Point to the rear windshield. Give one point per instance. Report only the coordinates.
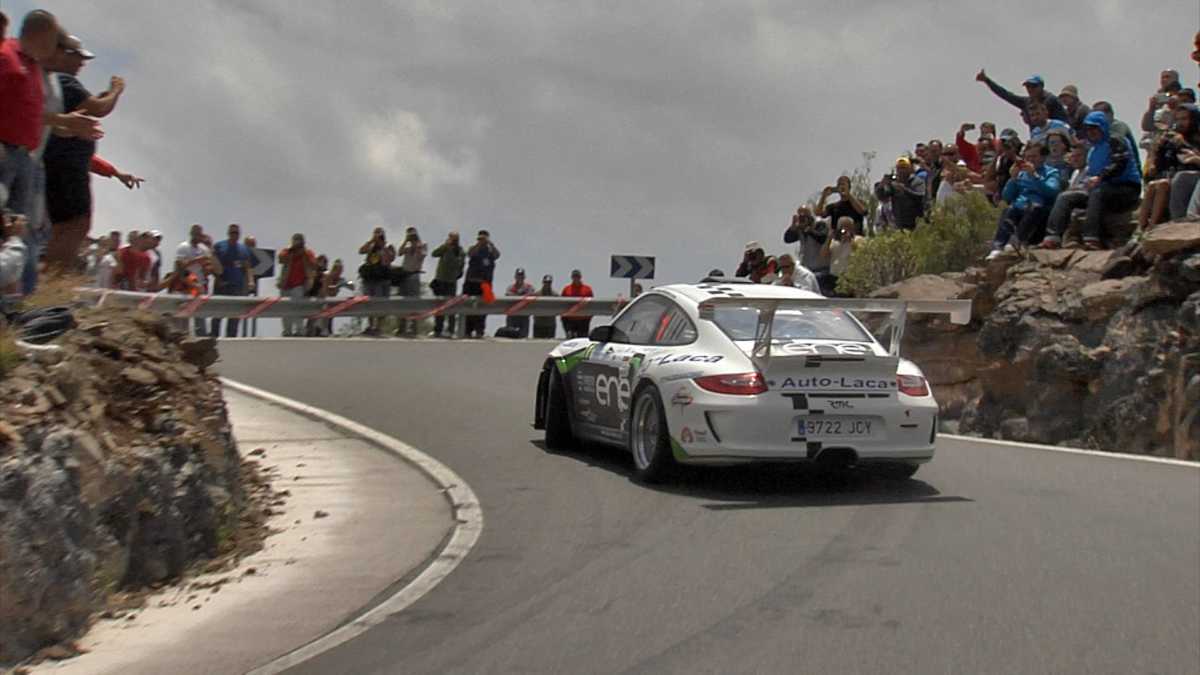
(739, 323)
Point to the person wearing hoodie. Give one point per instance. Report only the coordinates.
(1117, 128)
(1030, 193)
(1114, 182)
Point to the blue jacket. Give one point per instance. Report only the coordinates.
(1111, 161)
(1029, 190)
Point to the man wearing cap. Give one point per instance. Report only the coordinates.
(1076, 109)
(580, 326)
(451, 257)
(905, 191)
(543, 326)
(481, 267)
(155, 259)
(519, 287)
(757, 265)
(1035, 87)
(68, 160)
(235, 275)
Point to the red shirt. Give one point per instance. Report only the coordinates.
(135, 266)
(580, 291)
(296, 263)
(21, 93)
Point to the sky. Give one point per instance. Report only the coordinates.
(571, 131)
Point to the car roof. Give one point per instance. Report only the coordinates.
(698, 293)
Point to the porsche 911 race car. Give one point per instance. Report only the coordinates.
(722, 372)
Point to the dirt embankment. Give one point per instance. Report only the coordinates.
(118, 473)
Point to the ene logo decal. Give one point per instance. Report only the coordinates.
(607, 386)
(830, 348)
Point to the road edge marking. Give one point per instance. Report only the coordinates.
(1076, 451)
(466, 511)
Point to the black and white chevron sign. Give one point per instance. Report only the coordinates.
(632, 267)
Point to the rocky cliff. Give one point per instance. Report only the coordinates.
(117, 470)
(1096, 349)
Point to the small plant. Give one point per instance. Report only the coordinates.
(878, 261)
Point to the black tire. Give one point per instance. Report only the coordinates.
(559, 436)
(650, 443)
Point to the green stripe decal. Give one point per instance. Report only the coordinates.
(677, 450)
(568, 363)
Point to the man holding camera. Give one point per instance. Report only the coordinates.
(1030, 193)
(376, 279)
(905, 191)
(481, 268)
(757, 265)
(298, 271)
(810, 235)
(847, 206)
(451, 259)
(411, 253)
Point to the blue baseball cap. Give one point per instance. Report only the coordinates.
(1034, 80)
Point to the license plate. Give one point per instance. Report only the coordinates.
(816, 428)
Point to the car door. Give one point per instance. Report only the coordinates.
(603, 381)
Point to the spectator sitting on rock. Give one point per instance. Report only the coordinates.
(841, 247)
(451, 257)
(1114, 182)
(1035, 87)
(576, 327)
(1010, 153)
(1172, 177)
(798, 276)
(847, 205)
(12, 252)
(757, 265)
(809, 235)
(376, 279)
(1030, 193)
(1119, 129)
(1071, 198)
(1058, 142)
(519, 287)
(905, 192)
(1076, 110)
(1040, 123)
(544, 326)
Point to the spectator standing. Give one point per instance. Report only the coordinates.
(841, 246)
(234, 279)
(481, 267)
(318, 290)
(544, 326)
(809, 235)
(21, 115)
(1114, 182)
(298, 269)
(906, 194)
(576, 327)
(198, 258)
(374, 272)
(180, 281)
(1076, 110)
(519, 287)
(250, 328)
(1073, 197)
(757, 265)
(133, 271)
(67, 160)
(106, 264)
(451, 258)
(798, 276)
(1030, 194)
(412, 254)
(847, 205)
(155, 259)
(1035, 88)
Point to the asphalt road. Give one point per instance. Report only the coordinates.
(991, 560)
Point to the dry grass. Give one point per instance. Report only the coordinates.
(10, 354)
(55, 290)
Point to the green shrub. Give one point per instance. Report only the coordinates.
(955, 235)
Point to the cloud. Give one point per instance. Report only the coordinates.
(395, 148)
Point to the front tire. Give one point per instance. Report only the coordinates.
(649, 438)
(559, 436)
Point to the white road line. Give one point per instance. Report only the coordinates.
(1076, 451)
(467, 515)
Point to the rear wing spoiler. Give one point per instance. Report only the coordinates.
(898, 310)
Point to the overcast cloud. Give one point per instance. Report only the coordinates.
(570, 130)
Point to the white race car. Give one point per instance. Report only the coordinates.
(723, 372)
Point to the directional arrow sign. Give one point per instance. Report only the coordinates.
(632, 267)
(264, 262)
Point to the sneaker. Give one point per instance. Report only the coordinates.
(1009, 248)
(995, 253)
(1050, 245)
(1092, 245)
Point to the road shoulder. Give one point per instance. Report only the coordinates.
(359, 523)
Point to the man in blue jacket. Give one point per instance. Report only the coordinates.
(1114, 183)
(1029, 194)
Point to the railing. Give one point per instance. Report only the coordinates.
(205, 306)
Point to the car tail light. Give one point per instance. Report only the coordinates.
(912, 385)
(741, 384)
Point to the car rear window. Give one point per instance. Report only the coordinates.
(739, 323)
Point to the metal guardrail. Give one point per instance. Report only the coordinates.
(204, 306)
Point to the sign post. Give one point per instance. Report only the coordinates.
(632, 267)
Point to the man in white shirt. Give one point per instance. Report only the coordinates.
(197, 257)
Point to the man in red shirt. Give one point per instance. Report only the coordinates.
(133, 271)
(299, 270)
(576, 327)
(23, 102)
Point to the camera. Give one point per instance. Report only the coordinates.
(889, 176)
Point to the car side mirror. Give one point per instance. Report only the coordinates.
(607, 334)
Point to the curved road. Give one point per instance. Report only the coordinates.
(992, 560)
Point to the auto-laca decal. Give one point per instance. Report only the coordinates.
(833, 383)
(667, 359)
